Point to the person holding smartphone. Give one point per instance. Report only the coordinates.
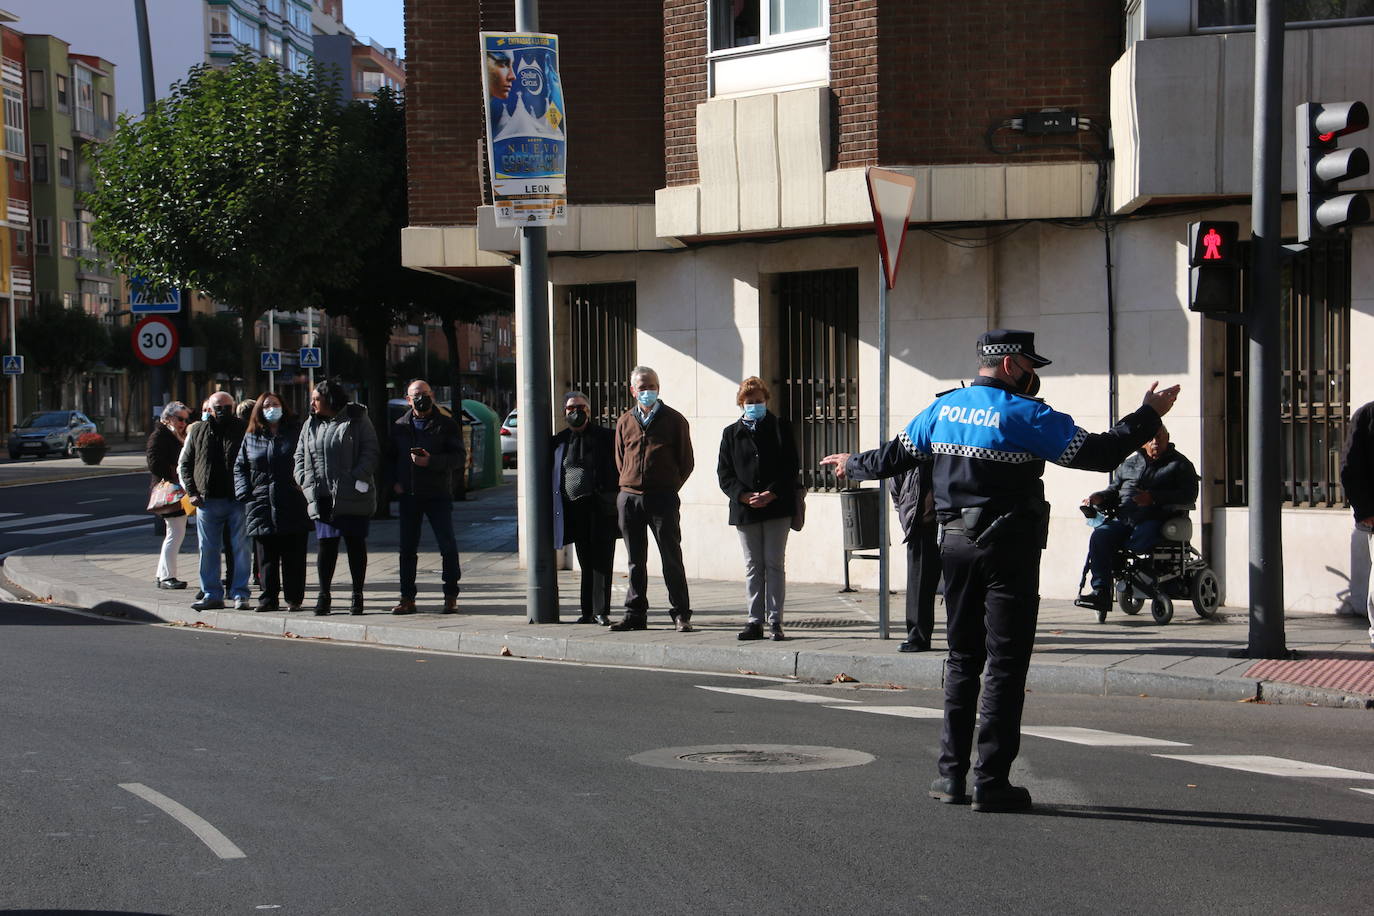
(426, 448)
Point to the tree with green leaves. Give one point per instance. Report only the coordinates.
(60, 344)
(238, 183)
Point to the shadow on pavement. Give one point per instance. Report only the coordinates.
(28, 615)
(1270, 823)
(82, 912)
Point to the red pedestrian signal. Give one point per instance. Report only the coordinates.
(1214, 258)
(1212, 243)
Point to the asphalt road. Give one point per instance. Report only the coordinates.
(357, 780)
(43, 511)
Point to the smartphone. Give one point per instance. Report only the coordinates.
(417, 451)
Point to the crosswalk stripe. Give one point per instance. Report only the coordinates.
(1093, 737)
(8, 514)
(90, 524)
(906, 712)
(764, 693)
(42, 519)
(1269, 766)
(1365, 791)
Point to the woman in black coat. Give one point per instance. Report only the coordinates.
(162, 451)
(757, 469)
(278, 521)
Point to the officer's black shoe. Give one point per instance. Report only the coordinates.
(912, 646)
(949, 790)
(585, 618)
(1001, 798)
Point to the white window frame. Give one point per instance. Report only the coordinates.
(14, 122)
(767, 40)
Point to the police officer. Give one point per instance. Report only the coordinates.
(989, 443)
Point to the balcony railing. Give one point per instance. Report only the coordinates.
(21, 280)
(221, 43)
(17, 212)
(12, 71)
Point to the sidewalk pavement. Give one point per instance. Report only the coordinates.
(831, 635)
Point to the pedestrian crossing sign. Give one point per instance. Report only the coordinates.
(14, 365)
(310, 357)
(271, 361)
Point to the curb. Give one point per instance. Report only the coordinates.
(808, 665)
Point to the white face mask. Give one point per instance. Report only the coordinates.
(271, 414)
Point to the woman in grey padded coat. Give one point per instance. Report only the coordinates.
(336, 468)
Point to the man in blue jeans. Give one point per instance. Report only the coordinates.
(426, 450)
(1148, 482)
(207, 474)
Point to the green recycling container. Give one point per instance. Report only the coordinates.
(484, 451)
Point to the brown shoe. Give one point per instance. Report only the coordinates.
(407, 606)
(450, 604)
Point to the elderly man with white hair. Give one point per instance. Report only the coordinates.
(207, 475)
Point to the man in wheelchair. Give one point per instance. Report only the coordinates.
(1140, 495)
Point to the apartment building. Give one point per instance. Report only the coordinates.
(16, 243)
(1059, 151)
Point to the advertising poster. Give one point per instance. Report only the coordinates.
(527, 145)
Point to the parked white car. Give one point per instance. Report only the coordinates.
(508, 433)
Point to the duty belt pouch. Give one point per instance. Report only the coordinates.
(971, 517)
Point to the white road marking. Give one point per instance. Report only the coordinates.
(42, 519)
(90, 523)
(1095, 738)
(908, 712)
(1365, 791)
(87, 502)
(764, 693)
(1269, 766)
(8, 514)
(219, 844)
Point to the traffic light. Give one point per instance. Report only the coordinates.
(1323, 164)
(1214, 257)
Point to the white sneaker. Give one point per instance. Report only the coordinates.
(240, 604)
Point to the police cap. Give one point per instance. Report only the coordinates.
(1007, 342)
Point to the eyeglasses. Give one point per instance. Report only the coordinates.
(179, 419)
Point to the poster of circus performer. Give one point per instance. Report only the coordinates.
(527, 146)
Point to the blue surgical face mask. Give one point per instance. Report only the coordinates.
(205, 415)
(271, 414)
(647, 398)
(755, 411)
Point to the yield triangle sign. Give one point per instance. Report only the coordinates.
(891, 194)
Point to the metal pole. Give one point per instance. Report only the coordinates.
(14, 379)
(1265, 482)
(310, 336)
(536, 408)
(157, 375)
(271, 329)
(883, 584)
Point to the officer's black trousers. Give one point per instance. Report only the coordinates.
(992, 598)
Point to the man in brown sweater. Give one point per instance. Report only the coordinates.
(653, 453)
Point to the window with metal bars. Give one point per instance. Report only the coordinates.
(818, 365)
(601, 331)
(1315, 383)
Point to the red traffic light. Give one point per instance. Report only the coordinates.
(1212, 243)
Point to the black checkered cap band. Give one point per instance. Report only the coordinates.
(1001, 349)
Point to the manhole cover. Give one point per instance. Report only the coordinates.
(753, 758)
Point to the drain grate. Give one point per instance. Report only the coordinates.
(753, 758)
(828, 623)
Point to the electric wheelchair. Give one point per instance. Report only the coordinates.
(1170, 570)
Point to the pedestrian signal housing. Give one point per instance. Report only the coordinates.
(1214, 259)
(1323, 164)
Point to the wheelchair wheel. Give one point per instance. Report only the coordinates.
(1128, 602)
(1205, 592)
(1162, 609)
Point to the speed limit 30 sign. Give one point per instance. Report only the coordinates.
(155, 340)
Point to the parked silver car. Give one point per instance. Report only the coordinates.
(49, 431)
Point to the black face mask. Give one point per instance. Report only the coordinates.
(1028, 383)
(223, 412)
(577, 418)
(423, 403)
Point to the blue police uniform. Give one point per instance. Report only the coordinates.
(989, 444)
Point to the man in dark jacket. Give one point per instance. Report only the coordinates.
(653, 452)
(207, 475)
(584, 502)
(1357, 477)
(1148, 482)
(426, 448)
(912, 494)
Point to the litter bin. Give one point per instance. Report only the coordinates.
(859, 515)
(484, 451)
